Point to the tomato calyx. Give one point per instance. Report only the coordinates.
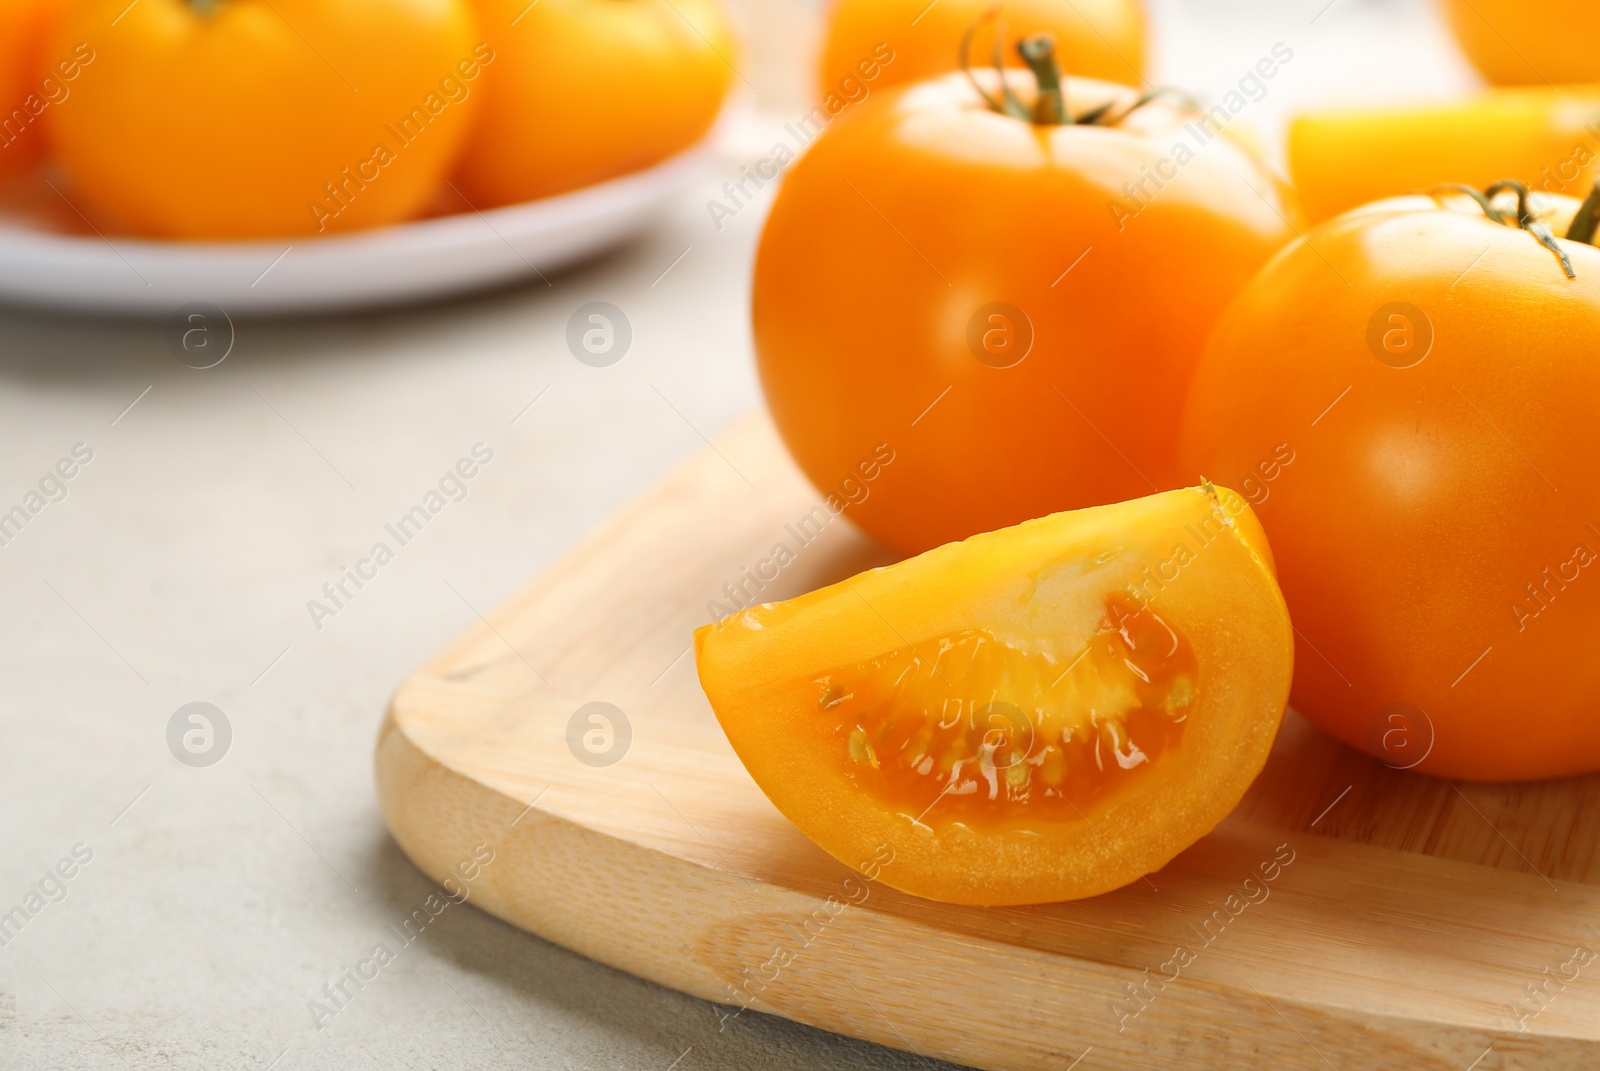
(1525, 219)
(1050, 100)
(1008, 104)
(1050, 106)
(1587, 220)
(1104, 116)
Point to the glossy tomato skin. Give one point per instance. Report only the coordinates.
(589, 90)
(922, 228)
(223, 123)
(1104, 39)
(1409, 396)
(1529, 42)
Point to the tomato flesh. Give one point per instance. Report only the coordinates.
(995, 733)
(1041, 713)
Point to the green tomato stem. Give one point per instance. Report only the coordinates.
(1008, 104)
(1587, 221)
(1524, 219)
(1050, 105)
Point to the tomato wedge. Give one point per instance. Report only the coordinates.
(1041, 713)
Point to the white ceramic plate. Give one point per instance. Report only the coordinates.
(51, 258)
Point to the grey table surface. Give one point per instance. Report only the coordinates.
(216, 902)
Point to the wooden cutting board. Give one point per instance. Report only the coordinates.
(1407, 923)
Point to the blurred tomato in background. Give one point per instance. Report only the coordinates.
(1542, 136)
(1529, 42)
(586, 90)
(1102, 39)
(217, 120)
(247, 119)
(29, 82)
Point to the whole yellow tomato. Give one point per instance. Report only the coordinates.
(588, 90)
(1409, 397)
(1529, 42)
(1103, 39)
(256, 118)
(29, 81)
(1543, 137)
(1011, 306)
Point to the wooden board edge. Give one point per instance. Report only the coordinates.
(553, 876)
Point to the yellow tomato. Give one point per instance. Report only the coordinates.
(255, 118)
(588, 90)
(1408, 395)
(29, 82)
(1545, 138)
(1013, 307)
(1529, 42)
(1102, 39)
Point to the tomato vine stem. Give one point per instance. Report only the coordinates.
(1102, 116)
(1008, 104)
(1587, 221)
(1050, 102)
(1525, 219)
(1050, 106)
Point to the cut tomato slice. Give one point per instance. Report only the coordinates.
(1042, 713)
